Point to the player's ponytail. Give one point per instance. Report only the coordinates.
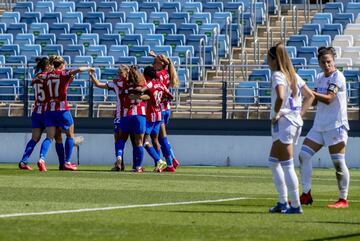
(135, 77)
(174, 79)
(41, 64)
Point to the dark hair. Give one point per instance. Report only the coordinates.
(41, 63)
(326, 50)
(149, 73)
(272, 52)
(135, 77)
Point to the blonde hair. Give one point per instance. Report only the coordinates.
(56, 61)
(123, 68)
(285, 66)
(174, 79)
(135, 77)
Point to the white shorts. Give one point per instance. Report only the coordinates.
(286, 132)
(328, 138)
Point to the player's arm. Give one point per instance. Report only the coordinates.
(308, 100)
(168, 95)
(96, 82)
(329, 96)
(79, 70)
(280, 96)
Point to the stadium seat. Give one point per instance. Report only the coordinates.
(118, 51)
(30, 49)
(194, 40)
(307, 52)
(66, 39)
(6, 39)
(158, 18)
(144, 28)
(74, 50)
(10, 17)
(153, 39)
(170, 7)
(322, 19)
(332, 30)
(298, 62)
(343, 18)
(213, 7)
(9, 49)
(124, 28)
(72, 17)
(352, 75)
(145, 60)
(191, 7)
(54, 49)
(352, 29)
(353, 7)
(24, 38)
(353, 93)
(222, 48)
(350, 52)
(16, 60)
(101, 28)
(64, 7)
(39, 28)
(104, 60)
(264, 91)
(220, 18)
(96, 50)
(298, 41)
(88, 39)
(200, 18)
(209, 29)
(139, 50)
(136, 17)
(85, 7)
(84, 60)
(174, 40)
(128, 7)
(310, 29)
(128, 60)
(44, 7)
(94, 17)
(45, 39)
(179, 18)
(2, 27)
(16, 28)
(51, 18)
(343, 41)
(343, 63)
(110, 39)
(23, 7)
(59, 28)
(260, 75)
(149, 7)
(320, 40)
(115, 17)
(30, 17)
(245, 93)
(162, 49)
(109, 73)
(21, 73)
(291, 50)
(333, 7)
(107, 6)
(166, 29)
(188, 28)
(184, 51)
(131, 40)
(6, 73)
(80, 28)
(307, 75)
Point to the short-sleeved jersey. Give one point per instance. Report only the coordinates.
(333, 115)
(117, 85)
(291, 106)
(132, 107)
(57, 84)
(38, 84)
(157, 91)
(164, 77)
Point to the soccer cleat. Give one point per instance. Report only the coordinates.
(306, 198)
(24, 166)
(341, 203)
(41, 165)
(176, 163)
(68, 166)
(78, 140)
(138, 169)
(118, 165)
(169, 169)
(292, 210)
(160, 166)
(278, 208)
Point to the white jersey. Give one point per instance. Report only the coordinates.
(333, 115)
(291, 106)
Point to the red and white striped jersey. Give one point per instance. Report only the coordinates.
(117, 85)
(157, 91)
(57, 84)
(132, 107)
(38, 84)
(164, 77)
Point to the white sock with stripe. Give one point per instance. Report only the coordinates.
(342, 174)
(292, 182)
(306, 167)
(278, 179)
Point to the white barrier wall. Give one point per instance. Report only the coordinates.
(190, 150)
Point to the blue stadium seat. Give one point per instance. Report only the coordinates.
(59, 28)
(131, 40)
(139, 50)
(107, 6)
(264, 91)
(191, 7)
(194, 40)
(149, 7)
(21, 73)
(144, 28)
(129, 60)
(104, 60)
(16, 28)
(182, 51)
(51, 18)
(74, 50)
(10, 17)
(24, 38)
(6, 73)
(353, 8)
(153, 39)
(158, 18)
(174, 40)
(6, 39)
(298, 41)
(88, 39)
(128, 7)
(308, 75)
(30, 17)
(188, 28)
(233, 7)
(45, 39)
(183, 75)
(307, 52)
(333, 7)
(80, 28)
(322, 19)
(53, 49)
(72, 17)
(208, 29)
(8, 90)
(179, 18)
(118, 51)
(94, 17)
(30, 49)
(162, 49)
(16, 59)
(246, 92)
(110, 39)
(200, 18)
(109, 73)
(310, 29)
(213, 7)
(223, 48)
(352, 75)
(44, 7)
(124, 28)
(23, 7)
(87, 60)
(170, 7)
(332, 30)
(220, 18)
(96, 50)
(166, 29)
(101, 28)
(145, 60)
(353, 92)
(260, 75)
(2, 60)
(64, 7)
(260, 12)
(99, 95)
(291, 50)
(2, 27)
(10, 49)
(115, 17)
(66, 39)
(299, 62)
(85, 7)
(248, 23)
(343, 18)
(320, 40)
(39, 28)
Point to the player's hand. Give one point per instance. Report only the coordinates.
(276, 118)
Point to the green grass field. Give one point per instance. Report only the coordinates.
(245, 218)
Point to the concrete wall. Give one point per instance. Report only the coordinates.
(190, 150)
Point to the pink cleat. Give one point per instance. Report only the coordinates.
(24, 166)
(176, 163)
(341, 203)
(41, 165)
(68, 166)
(170, 169)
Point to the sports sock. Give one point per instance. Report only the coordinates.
(69, 145)
(139, 155)
(306, 167)
(278, 179)
(45, 145)
(28, 150)
(165, 148)
(152, 152)
(292, 182)
(119, 148)
(342, 174)
(60, 152)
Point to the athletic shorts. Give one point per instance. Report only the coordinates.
(38, 120)
(153, 128)
(165, 116)
(329, 138)
(117, 127)
(133, 124)
(61, 119)
(286, 132)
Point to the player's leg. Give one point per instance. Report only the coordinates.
(35, 137)
(119, 147)
(152, 130)
(59, 147)
(138, 128)
(45, 145)
(166, 118)
(165, 148)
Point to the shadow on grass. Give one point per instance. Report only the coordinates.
(339, 237)
(211, 212)
(334, 222)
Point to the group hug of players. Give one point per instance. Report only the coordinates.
(142, 112)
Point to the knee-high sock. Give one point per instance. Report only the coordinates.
(139, 155)
(278, 179)
(60, 152)
(28, 150)
(342, 174)
(306, 167)
(292, 182)
(165, 148)
(69, 145)
(152, 152)
(45, 145)
(119, 148)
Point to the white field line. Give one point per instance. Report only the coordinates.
(10, 215)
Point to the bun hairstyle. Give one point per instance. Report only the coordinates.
(326, 50)
(56, 61)
(149, 73)
(280, 54)
(41, 64)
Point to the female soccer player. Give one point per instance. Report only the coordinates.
(57, 110)
(117, 85)
(167, 74)
(287, 108)
(329, 129)
(157, 92)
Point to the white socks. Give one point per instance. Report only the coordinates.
(342, 174)
(306, 167)
(278, 179)
(291, 181)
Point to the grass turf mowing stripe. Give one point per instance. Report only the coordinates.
(11, 215)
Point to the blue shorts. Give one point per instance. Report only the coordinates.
(117, 127)
(165, 116)
(153, 128)
(61, 119)
(133, 124)
(38, 120)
